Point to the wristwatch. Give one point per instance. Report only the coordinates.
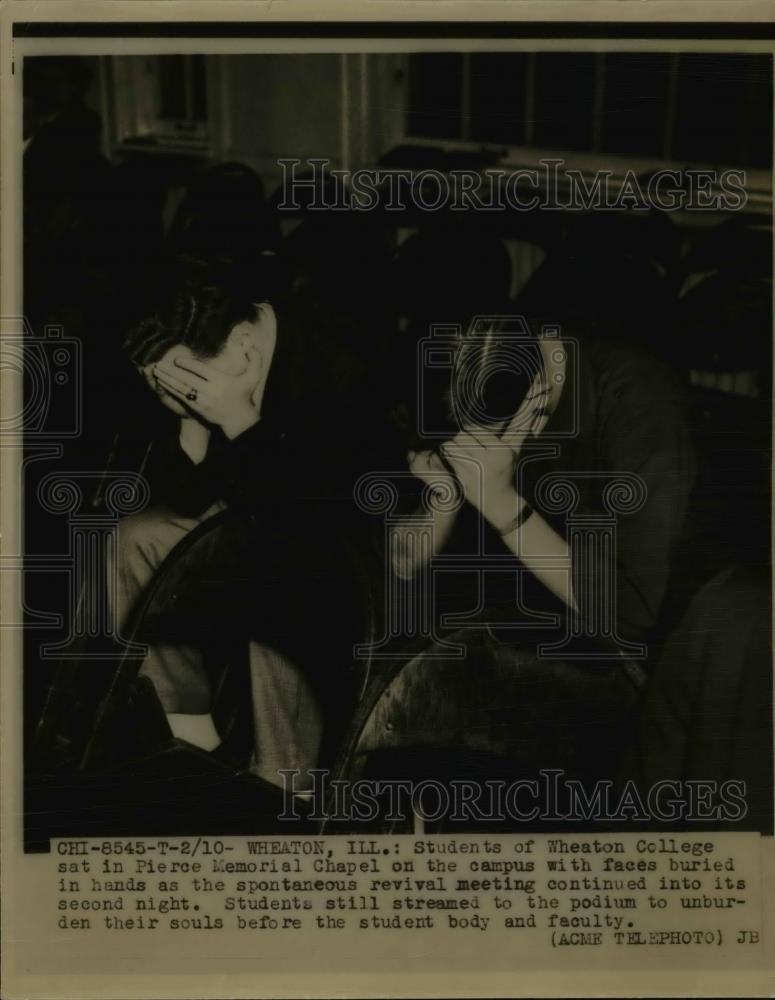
(519, 520)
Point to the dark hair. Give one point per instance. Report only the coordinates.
(488, 375)
(199, 305)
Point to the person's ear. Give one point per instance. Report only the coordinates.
(266, 322)
(253, 333)
(243, 336)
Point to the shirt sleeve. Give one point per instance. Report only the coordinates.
(177, 482)
(643, 428)
(254, 466)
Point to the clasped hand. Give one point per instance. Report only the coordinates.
(484, 462)
(484, 468)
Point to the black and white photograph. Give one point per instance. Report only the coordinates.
(393, 452)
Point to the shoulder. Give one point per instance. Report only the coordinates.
(620, 370)
(642, 410)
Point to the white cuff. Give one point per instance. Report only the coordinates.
(198, 730)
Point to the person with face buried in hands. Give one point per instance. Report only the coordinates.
(609, 409)
(246, 405)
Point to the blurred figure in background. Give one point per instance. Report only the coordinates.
(337, 265)
(707, 710)
(67, 231)
(446, 271)
(224, 216)
(608, 275)
(441, 274)
(72, 236)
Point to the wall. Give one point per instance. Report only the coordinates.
(311, 105)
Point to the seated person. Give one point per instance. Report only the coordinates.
(256, 429)
(630, 417)
(586, 415)
(707, 710)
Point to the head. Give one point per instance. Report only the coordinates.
(211, 313)
(482, 378)
(224, 213)
(445, 271)
(203, 306)
(53, 83)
